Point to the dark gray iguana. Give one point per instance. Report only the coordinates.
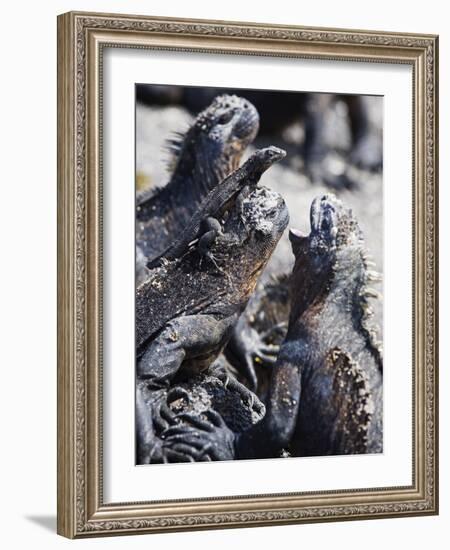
(326, 387)
(209, 151)
(216, 203)
(202, 157)
(185, 312)
(325, 394)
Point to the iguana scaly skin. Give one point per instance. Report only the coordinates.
(325, 394)
(212, 402)
(186, 309)
(202, 157)
(188, 286)
(326, 387)
(216, 202)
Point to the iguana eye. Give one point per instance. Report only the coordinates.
(225, 118)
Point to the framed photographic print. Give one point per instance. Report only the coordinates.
(247, 284)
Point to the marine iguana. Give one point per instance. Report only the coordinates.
(202, 157)
(326, 387)
(185, 313)
(216, 203)
(210, 401)
(325, 394)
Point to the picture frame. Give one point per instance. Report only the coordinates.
(82, 40)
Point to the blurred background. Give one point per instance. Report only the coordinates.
(334, 143)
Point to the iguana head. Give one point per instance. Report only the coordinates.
(250, 234)
(213, 146)
(332, 259)
(260, 161)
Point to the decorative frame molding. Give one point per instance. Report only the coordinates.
(81, 37)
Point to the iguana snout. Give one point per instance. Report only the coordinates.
(260, 161)
(332, 226)
(324, 217)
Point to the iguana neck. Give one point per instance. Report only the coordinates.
(343, 288)
(336, 286)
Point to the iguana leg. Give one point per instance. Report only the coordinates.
(199, 337)
(151, 419)
(246, 345)
(209, 230)
(271, 436)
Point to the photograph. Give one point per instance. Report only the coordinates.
(247, 274)
(259, 274)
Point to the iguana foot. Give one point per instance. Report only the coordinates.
(198, 438)
(247, 347)
(209, 230)
(247, 396)
(151, 418)
(163, 416)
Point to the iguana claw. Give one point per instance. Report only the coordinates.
(198, 438)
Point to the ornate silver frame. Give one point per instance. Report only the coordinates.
(81, 38)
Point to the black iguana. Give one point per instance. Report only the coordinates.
(202, 157)
(326, 387)
(186, 309)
